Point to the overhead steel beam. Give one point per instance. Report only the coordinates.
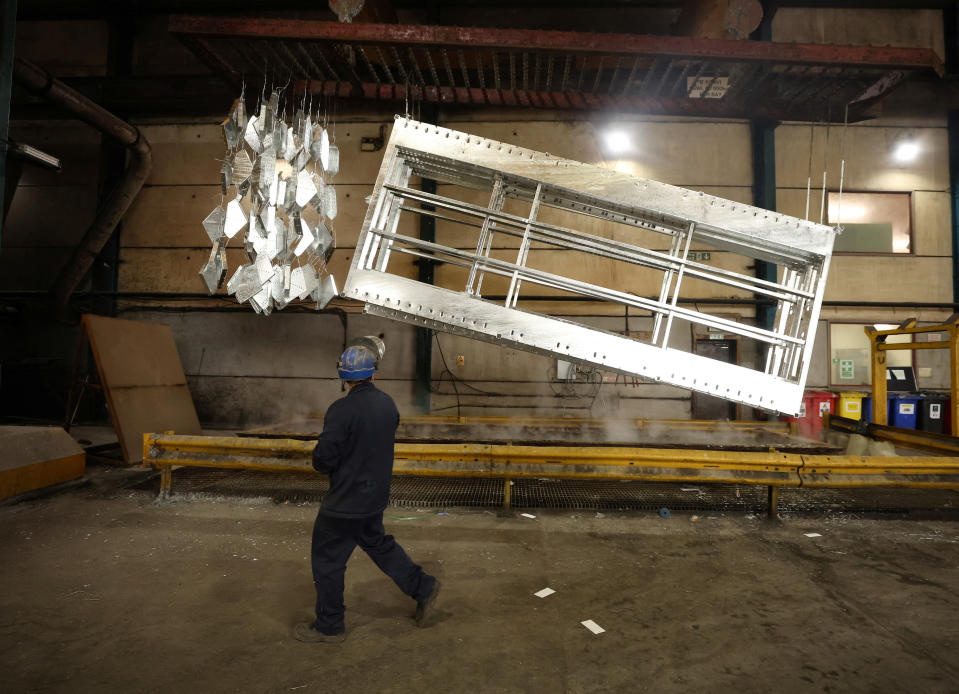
(71, 9)
(631, 44)
(521, 68)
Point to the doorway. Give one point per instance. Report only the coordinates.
(708, 406)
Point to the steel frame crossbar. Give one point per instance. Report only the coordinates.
(690, 220)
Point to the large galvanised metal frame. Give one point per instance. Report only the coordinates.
(684, 217)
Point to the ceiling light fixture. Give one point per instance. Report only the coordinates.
(617, 142)
(906, 151)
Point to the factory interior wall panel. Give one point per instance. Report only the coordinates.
(499, 381)
(186, 154)
(49, 212)
(284, 345)
(680, 152)
(76, 144)
(157, 52)
(254, 401)
(32, 269)
(931, 223)
(242, 354)
(932, 365)
(914, 103)
(171, 215)
(49, 216)
(865, 27)
(923, 276)
(624, 18)
(65, 48)
(176, 270)
(399, 363)
(489, 362)
(884, 314)
(890, 278)
(869, 162)
(607, 404)
(819, 364)
(930, 217)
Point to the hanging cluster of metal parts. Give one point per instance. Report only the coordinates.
(627, 212)
(278, 178)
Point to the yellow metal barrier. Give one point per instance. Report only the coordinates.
(772, 469)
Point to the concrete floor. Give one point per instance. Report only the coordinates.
(103, 589)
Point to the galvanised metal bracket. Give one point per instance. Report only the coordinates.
(628, 218)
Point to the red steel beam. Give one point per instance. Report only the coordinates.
(559, 41)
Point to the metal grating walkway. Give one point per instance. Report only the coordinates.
(421, 492)
(555, 69)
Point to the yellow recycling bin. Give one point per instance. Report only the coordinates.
(850, 404)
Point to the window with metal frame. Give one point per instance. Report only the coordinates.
(874, 223)
(849, 356)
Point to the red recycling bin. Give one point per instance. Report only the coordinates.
(815, 403)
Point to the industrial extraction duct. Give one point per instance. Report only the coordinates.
(39, 82)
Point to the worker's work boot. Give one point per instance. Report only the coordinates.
(424, 608)
(305, 632)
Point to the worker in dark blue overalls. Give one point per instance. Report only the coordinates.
(356, 450)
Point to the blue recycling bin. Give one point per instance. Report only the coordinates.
(904, 410)
(867, 409)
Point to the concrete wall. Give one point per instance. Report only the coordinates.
(247, 370)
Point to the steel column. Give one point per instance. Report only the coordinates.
(953, 131)
(424, 336)
(8, 26)
(763, 135)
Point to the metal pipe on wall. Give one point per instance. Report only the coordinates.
(41, 83)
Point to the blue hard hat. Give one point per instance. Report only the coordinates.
(356, 364)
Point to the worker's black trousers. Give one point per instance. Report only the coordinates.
(334, 540)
